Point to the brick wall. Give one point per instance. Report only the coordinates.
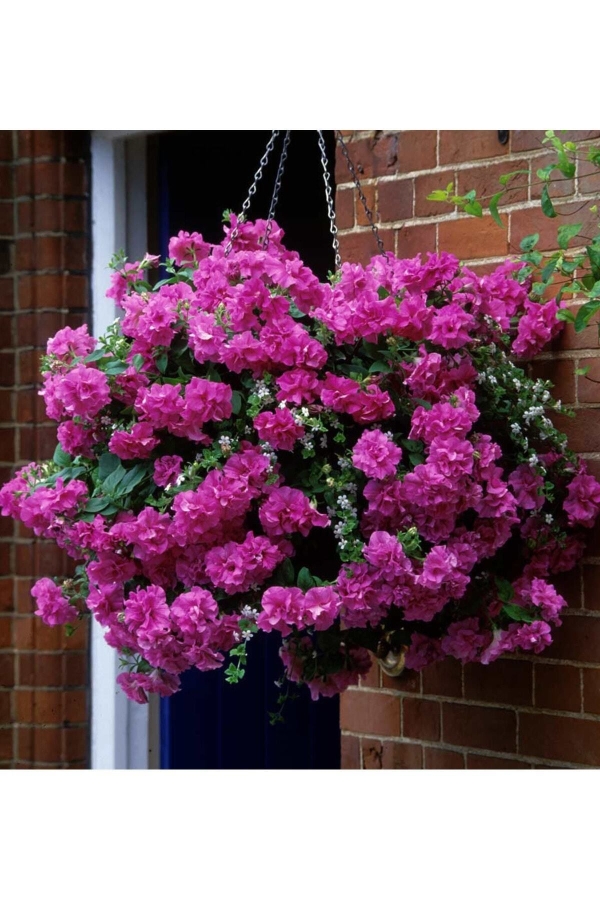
(43, 287)
(519, 712)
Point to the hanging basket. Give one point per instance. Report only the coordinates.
(251, 449)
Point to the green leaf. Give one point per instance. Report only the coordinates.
(565, 315)
(438, 196)
(137, 361)
(162, 362)
(566, 233)
(107, 463)
(305, 580)
(505, 590)
(100, 505)
(115, 367)
(131, 479)
(504, 179)
(593, 252)
(549, 269)
(545, 173)
(236, 402)
(529, 242)
(474, 208)
(582, 371)
(379, 366)
(61, 458)
(517, 613)
(585, 313)
(110, 484)
(96, 355)
(547, 205)
(286, 572)
(494, 208)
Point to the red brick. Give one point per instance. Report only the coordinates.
(361, 247)
(75, 706)
(369, 195)
(350, 752)
(557, 687)
(532, 140)
(344, 209)
(478, 761)
(6, 744)
(76, 744)
(370, 713)
(6, 146)
(591, 587)
(6, 183)
(568, 585)
(40, 670)
(577, 639)
(561, 372)
(372, 754)
(372, 157)
(5, 708)
(24, 636)
(76, 291)
(589, 177)
(507, 681)
(485, 180)
(558, 186)
(436, 758)
(395, 200)
(5, 631)
(7, 369)
(443, 679)
(583, 431)
(424, 185)
(6, 293)
(7, 669)
(46, 637)
(6, 594)
(417, 150)
(473, 238)
(414, 239)
(402, 755)
(75, 250)
(532, 221)
(40, 745)
(481, 727)
(6, 220)
(556, 737)
(569, 339)
(421, 719)
(372, 678)
(591, 691)
(75, 669)
(409, 681)
(588, 386)
(463, 146)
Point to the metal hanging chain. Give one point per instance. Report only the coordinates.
(276, 189)
(246, 204)
(362, 197)
(329, 198)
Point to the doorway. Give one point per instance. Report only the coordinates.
(193, 177)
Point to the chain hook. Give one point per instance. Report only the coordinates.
(329, 199)
(361, 195)
(246, 204)
(276, 189)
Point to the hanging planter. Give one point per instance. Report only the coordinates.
(361, 465)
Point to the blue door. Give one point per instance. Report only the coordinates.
(193, 177)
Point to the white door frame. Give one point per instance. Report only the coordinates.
(124, 735)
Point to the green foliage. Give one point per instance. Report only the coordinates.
(575, 271)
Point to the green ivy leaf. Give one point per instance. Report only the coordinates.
(585, 313)
(517, 613)
(505, 590)
(547, 205)
(529, 242)
(305, 580)
(566, 233)
(162, 362)
(493, 207)
(107, 463)
(593, 252)
(61, 458)
(438, 196)
(504, 179)
(236, 402)
(473, 208)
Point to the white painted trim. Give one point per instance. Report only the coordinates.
(119, 727)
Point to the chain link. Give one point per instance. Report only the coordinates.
(362, 197)
(246, 204)
(276, 189)
(329, 198)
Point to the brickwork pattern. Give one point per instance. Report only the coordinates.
(44, 254)
(520, 712)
